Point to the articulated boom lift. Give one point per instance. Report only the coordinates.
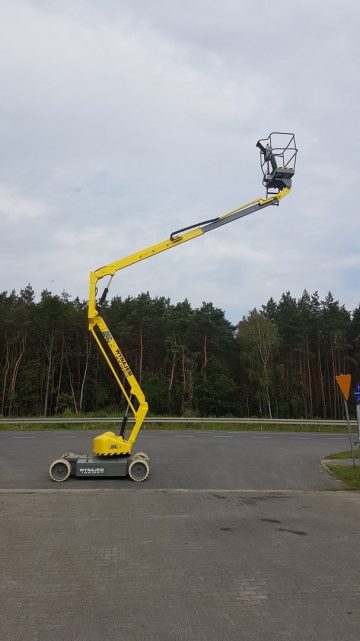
(112, 453)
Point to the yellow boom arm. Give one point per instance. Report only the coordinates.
(108, 443)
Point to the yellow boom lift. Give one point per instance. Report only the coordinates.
(113, 453)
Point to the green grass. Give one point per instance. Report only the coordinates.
(347, 474)
(48, 427)
(236, 427)
(343, 455)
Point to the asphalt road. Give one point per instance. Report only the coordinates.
(183, 460)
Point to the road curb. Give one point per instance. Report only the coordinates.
(326, 465)
(179, 490)
(338, 461)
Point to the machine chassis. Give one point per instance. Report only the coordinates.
(135, 466)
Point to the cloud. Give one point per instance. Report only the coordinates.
(16, 208)
(121, 122)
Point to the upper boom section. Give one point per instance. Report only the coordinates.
(278, 167)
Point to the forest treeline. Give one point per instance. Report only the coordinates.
(278, 361)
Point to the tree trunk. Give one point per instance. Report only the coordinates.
(6, 371)
(309, 378)
(183, 377)
(16, 371)
(205, 359)
(141, 354)
(71, 385)
(73, 393)
(60, 375)
(268, 392)
(88, 344)
(172, 373)
(333, 374)
(323, 400)
(49, 351)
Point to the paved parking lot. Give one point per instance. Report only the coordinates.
(174, 565)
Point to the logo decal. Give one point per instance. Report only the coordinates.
(118, 354)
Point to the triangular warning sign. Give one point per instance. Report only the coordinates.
(344, 382)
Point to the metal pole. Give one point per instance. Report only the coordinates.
(358, 422)
(349, 431)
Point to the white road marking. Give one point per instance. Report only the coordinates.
(262, 437)
(337, 438)
(302, 438)
(23, 437)
(68, 436)
(185, 436)
(222, 436)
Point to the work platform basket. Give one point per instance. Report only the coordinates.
(277, 160)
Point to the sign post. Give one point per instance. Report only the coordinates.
(357, 401)
(344, 382)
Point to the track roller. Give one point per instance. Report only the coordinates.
(60, 470)
(139, 469)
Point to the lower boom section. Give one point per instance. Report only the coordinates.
(136, 466)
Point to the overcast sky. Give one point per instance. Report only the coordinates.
(123, 120)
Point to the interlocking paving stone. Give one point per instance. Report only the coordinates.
(179, 566)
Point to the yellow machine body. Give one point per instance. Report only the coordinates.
(111, 444)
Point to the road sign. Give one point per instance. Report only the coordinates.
(344, 382)
(357, 393)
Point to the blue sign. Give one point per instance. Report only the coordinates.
(357, 393)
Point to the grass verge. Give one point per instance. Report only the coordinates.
(347, 474)
(225, 427)
(342, 455)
